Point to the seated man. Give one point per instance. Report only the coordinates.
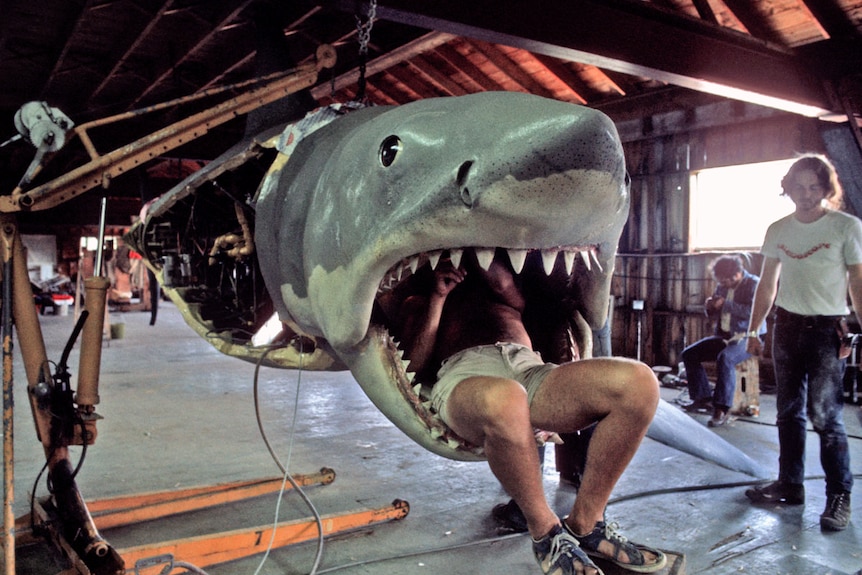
(493, 391)
(730, 306)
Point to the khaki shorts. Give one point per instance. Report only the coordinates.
(507, 360)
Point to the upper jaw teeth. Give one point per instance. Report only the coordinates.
(485, 256)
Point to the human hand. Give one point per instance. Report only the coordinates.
(754, 346)
(447, 278)
(714, 303)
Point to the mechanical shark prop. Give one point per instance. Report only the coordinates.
(350, 210)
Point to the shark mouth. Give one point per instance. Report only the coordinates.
(553, 315)
(484, 256)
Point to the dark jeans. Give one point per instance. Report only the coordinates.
(810, 380)
(726, 357)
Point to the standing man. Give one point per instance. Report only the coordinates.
(493, 391)
(730, 307)
(817, 253)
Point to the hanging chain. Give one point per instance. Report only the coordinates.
(363, 34)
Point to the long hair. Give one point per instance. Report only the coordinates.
(826, 176)
(726, 266)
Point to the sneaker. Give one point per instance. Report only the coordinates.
(719, 417)
(509, 517)
(777, 492)
(637, 562)
(557, 552)
(704, 404)
(836, 516)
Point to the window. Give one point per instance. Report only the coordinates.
(732, 207)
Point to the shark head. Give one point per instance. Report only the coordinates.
(344, 225)
(370, 199)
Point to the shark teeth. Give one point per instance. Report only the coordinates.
(434, 259)
(569, 260)
(517, 257)
(455, 257)
(549, 258)
(485, 256)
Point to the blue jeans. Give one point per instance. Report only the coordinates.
(810, 380)
(726, 357)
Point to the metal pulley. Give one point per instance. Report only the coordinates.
(43, 126)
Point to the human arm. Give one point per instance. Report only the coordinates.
(764, 296)
(713, 304)
(421, 317)
(855, 288)
(739, 306)
(501, 283)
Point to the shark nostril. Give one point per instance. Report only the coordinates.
(463, 174)
(466, 198)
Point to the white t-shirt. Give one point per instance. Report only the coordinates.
(814, 259)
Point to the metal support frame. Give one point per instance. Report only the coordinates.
(208, 549)
(102, 168)
(64, 518)
(8, 406)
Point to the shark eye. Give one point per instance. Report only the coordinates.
(389, 150)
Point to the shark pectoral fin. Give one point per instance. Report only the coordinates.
(676, 429)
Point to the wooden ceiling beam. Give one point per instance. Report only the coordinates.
(705, 11)
(506, 65)
(421, 45)
(433, 74)
(151, 26)
(203, 41)
(831, 18)
(573, 84)
(632, 38)
(461, 62)
(753, 21)
(67, 46)
(417, 83)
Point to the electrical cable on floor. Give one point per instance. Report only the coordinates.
(620, 499)
(808, 429)
(285, 467)
(409, 554)
(189, 568)
(489, 540)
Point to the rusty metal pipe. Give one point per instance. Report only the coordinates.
(29, 330)
(78, 528)
(77, 523)
(8, 421)
(96, 295)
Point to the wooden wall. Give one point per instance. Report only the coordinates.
(654, 262)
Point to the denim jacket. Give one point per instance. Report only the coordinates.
(740, 307)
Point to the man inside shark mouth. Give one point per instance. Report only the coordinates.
(493, 390)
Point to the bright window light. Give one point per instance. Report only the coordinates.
(732, 207)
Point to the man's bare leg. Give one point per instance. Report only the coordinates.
(493, 413)
(622, 396)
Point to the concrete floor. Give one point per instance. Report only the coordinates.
(179, 414)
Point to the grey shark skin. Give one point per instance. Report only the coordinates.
(490, 170)
(380, 193)
(673, 427)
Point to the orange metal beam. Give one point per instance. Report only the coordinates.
(127, 510)
(232, 545)
(101, 169)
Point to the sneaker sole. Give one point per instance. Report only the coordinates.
(756, 497)
(651, 568)
(829, 526)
